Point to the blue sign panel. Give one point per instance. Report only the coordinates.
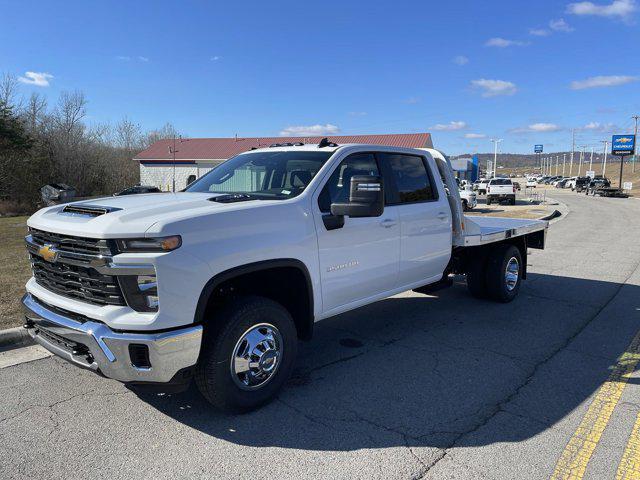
(623, 144)
(537, 148)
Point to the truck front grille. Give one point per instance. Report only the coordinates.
(75, 281)
(88, 246)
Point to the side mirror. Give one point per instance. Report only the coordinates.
(366, 198)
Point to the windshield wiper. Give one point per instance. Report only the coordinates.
(232, 197)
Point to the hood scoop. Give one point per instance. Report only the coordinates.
(87, 210)
(231, 198)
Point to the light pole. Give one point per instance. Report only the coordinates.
(591, 160)
(557, 160)
(635, 150)
(604, 166)
(495, 154)
(564, 161)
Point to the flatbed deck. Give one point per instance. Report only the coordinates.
(485, 230)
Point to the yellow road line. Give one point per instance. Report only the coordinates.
(576, 455)
(629, 468)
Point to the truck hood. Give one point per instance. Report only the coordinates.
(128, 215)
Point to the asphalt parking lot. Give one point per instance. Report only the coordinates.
(415, 386)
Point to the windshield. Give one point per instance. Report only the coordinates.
(263, 175)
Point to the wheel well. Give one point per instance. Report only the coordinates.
(284, 281)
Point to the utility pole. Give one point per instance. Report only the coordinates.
(495, 154)
(573, 147)
(581, 158)
(635, 150)
(557, 160)
(591, 160)
(604, 166)
(564, 161)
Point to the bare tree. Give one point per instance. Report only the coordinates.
(167, 131)
(35, 111)
(9, 90)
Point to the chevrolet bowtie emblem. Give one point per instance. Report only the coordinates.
(49, 253)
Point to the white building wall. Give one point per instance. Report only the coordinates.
(161, 176)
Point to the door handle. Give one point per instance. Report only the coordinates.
(388, 223)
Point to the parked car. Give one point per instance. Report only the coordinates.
(581, 183)
(469, 198)
(531, 183)
(218, 283)
(482, 186)
(500, 189)
(138, 189)
(517, 185)
(596, 184)
(561, 183)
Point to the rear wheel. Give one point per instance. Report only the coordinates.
(246, 361)
(503, 273)
(513, 200)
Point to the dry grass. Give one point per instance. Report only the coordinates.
(14, 270)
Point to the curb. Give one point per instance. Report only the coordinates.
(561, 212)
(14, 338)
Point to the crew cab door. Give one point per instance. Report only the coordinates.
(424, 213)
(358, 259)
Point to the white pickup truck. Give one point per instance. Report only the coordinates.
(499, 189)
(219, 282)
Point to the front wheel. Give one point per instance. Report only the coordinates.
(246, 361)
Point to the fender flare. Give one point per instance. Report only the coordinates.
(231, 273)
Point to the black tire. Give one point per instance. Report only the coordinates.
(513, 200)
(497, 261)
(465, 206)
(213, 373)
(489, 201)
(476, 282)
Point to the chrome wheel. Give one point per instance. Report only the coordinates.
(256, 356)
(511, 274)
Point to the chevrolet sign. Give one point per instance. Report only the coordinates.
(623, 144)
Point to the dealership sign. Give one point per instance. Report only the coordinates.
(623, 144)
(537, 148)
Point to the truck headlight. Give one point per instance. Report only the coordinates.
(140, 292)
(159, 244)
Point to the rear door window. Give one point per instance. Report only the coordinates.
(413, 182)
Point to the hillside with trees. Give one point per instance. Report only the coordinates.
(43, 143)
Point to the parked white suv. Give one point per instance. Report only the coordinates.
(219, 282)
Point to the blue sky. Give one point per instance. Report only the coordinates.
(466, 71)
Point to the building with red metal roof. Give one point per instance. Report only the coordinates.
(193, 157)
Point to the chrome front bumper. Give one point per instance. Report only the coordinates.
(96, 347)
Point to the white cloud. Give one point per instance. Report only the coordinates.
(413, 100)
(309, 130)
(448, 127)
(600, 127)
(127, 58)
(603, 81)
(215, 58)
(143, 59)
(494, 88)
(460, 60)
(123, 58)
(504, 43)
(544, 127)
(560, 25)
(39, 79)
(358, 114)
(538, 128)
(475, 135)
(618, 8)
(539, 32)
